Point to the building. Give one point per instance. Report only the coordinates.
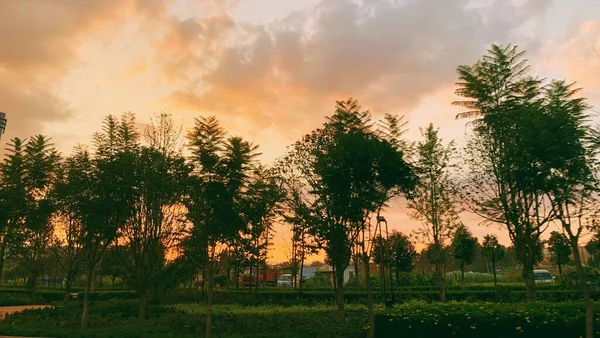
(2, 123)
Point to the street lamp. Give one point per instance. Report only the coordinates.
(388, 302)
(2, 123)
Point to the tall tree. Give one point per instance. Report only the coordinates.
(463, 248)
(348, 170)
(402, 253)
(69, 197)
(108, 194)
(433, 204)
(502, 180)
(156, 224)
(221, 170)
(491, 249)
(569, 165)
(560, 248)
(14, 200)
(259, 207)
(40, 164)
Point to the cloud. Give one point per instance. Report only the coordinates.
(581, 57)
(40, 41)
(390, 55)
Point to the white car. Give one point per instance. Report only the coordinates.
(543, 277)
(284, 280)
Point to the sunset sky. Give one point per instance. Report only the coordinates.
(271, 70)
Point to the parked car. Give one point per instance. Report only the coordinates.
(285, 280)
(543, 277)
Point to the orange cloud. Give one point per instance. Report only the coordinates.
(581, 58)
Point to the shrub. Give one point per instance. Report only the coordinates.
(118, 319)
(482, 320)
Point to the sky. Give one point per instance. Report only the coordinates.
(271, 70)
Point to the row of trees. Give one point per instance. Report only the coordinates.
(529, 162)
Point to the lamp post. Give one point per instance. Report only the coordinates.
(388, 302)
(2, 123)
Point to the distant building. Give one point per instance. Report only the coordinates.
(2, 123)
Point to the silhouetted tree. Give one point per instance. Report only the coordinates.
(493, 251)
(559, 246)
(433, 204)
(463, 248)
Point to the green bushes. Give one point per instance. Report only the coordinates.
(288, 297)
(482, 320)
(118, 319)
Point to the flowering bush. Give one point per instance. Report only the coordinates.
(417, 319)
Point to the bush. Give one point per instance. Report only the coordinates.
(118, 319)
(482, 320)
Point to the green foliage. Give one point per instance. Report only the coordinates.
(117, 319)
(560, 248)
(482, 320)
(463, 247)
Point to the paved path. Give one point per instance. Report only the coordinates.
(6, 310)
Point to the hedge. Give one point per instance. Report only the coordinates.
(118, 319)
(482, 320)
(414, 319)
(10, 297)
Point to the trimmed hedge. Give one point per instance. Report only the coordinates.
(482, 320)
(118, 319)
(414, 319)
(9, 297)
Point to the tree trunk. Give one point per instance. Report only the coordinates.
(85, 320)
(68, 286)
(340, 293)
(356, 264)
(494, 268)
(209, 299)
(301, 273)
(143, 305)
(440, 282)
(462, 272)
(237, 278)
(585, 290)
(529, 281)
(559, 268)
(370, 306)
(2, 254)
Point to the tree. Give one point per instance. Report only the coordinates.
(402, 253)
(491, 249)
(570, 172)
(221, 171)
(502, 179)
(156, 224)
(14, 201)
(342, 174)
(463, 248)
(68, 196)
(31, 249)
(593, 248)
(433, 203)
(259, 206)
(108, 194)
(560, 249)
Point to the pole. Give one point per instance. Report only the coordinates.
(382, 264)
(387, 247)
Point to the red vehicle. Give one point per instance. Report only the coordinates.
(249, 279)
